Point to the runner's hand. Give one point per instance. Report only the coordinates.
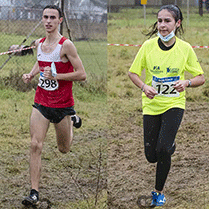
(150, 91)
(27, 77)
(180, 85)
(48, 73)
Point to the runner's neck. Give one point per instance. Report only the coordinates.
(163, 46)
(52, 39)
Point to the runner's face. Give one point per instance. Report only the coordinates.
(166, 22)
(51, 20)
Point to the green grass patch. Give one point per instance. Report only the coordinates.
(87, 160)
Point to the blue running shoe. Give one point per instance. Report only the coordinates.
(158, 199)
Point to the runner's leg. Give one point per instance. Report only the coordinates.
(151, 124)
(64, 132)
(171, 121)
(38, 129)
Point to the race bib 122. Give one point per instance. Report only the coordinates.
(165, 86)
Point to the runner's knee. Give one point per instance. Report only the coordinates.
(150, 158)
(163, 154)
(36, 146)
(150, 153)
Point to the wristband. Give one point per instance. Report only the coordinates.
(32, 76)
(142, 88)
(189, 85)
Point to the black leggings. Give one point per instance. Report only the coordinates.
(159, 141)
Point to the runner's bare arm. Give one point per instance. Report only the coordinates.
(79, 73)
(35, 70)
(195, 82)
(148, 90)
(136, 79)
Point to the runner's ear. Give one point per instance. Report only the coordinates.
(61, 19)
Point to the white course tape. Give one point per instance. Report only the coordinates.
(197, 47)
(17, 50)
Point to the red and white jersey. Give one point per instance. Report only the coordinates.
(53, 93)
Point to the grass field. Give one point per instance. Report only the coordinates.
(129, 174)
(77, 179)
(108, 149)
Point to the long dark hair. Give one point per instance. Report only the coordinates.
(177, 15)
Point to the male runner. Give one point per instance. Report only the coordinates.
(59, 65)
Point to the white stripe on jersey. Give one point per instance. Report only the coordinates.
(54, 56)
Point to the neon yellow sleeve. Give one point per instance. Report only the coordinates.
(192, 64)
(139, 62)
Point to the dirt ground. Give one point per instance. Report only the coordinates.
(187, 186)
(127, 174)
(65, 179)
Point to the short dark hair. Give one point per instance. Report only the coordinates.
(54, 7)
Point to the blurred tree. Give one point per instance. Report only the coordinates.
(200, 8)
(165, 2)
(207, 5)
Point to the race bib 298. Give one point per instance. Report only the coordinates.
(47, 84)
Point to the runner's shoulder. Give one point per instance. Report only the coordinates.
(68, 46)
(68, 43)
(36, 42)
(150, 43)
(183, 43)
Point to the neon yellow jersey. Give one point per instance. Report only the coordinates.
(163, 69)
